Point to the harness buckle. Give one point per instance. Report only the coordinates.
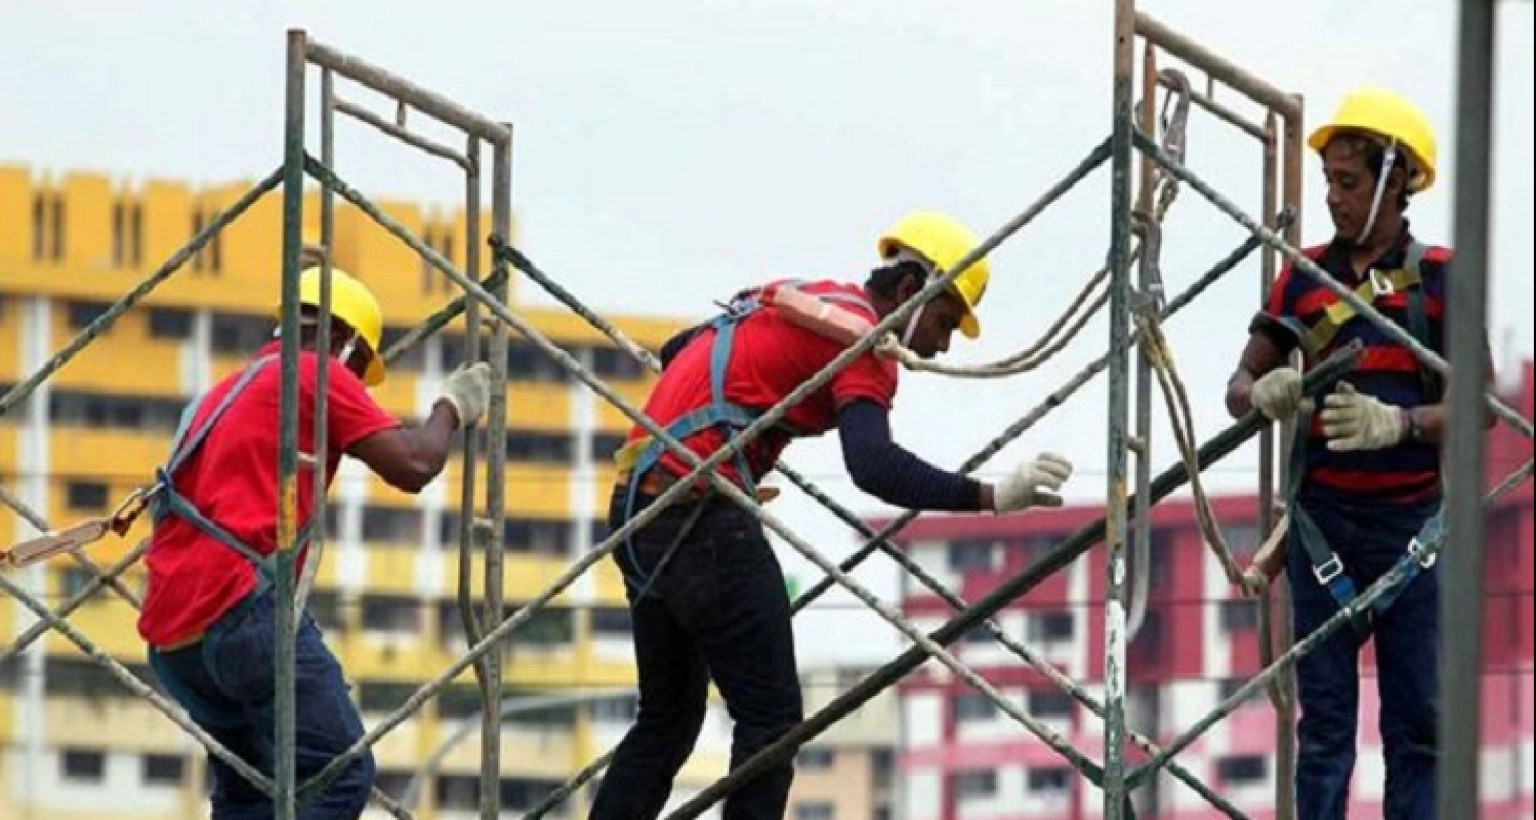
(1381, 284)
(1327, 571)
(1416, 549)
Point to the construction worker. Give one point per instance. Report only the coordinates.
(209, 613)
(1366, 472)
(707, 596)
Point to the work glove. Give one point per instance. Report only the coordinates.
(1032, 484)
(1277, 394)
(1355, 421)
(468, 389)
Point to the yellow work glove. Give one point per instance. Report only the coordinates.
(1034, 483)
(1355, 421)
(1277, 394)
(468, 389)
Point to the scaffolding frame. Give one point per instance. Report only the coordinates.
(1132, 134)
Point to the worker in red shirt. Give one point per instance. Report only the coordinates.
(707, 596)
(209, 613)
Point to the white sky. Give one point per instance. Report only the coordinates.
(667, 154)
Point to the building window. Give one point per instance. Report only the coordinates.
(458, 792)
(528, 363)
(973, 707)
(613, 363)
(81, 314)
(393, 782)
(609, 622)
(1051, 627)
(170, 323)
(966, 555)
(39, 227)
(83, 765)
(1242, 539)
(1241, 770)
(618, 709)
(528, 445)
(975, 784)
(1050, 705)
(547, 627)
(392, 524)
(413, 360)
(1239, 616)
(76, 579)
(86, 679)
(236, 335)
(815, 811)
(1049, 781)
(101, 411)
(604, 445)
(325, 607)
(86, 495)
(814, 759)
(391, 613)
(383, 697)
(163, 770)
(58, 228)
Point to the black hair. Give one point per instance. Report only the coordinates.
(885, 281)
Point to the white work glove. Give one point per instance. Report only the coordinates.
(1277, 394)
(1355, 421)
(468, 389)
(1033, 484)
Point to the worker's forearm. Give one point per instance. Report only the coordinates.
(432, 441)
(881, 467)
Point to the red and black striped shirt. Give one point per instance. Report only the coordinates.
(1388, 371)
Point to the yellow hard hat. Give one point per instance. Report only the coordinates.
(943, 241)
(1387, 115)
(353, 303)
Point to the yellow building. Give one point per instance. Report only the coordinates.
(74, 743)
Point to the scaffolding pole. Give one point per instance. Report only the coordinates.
(1466, 323)
(1123, 120)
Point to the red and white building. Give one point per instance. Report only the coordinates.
(963, 759)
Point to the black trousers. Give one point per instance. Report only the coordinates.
(718, 610)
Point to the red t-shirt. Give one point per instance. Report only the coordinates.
(770, 358)
(232, 481)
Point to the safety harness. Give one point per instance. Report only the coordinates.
(641, 456)
(1315, 340)
(165, 500)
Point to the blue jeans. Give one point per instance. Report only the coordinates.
(1368, 540)
(718, 610)
(225, 682)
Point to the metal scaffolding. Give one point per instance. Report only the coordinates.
(1137, 310)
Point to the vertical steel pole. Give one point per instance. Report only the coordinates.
(288, 426)
(1119, 410)
(1466, 326)
(495, 488)
(316, 550)
(1292, 157)
(474, 627)
(1271, 615)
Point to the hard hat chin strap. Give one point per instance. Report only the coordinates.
(1388, 160)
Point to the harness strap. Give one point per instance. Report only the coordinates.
(1327, 569)
(168, 501)
(1376, 285)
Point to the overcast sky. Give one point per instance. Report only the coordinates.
(669, 153)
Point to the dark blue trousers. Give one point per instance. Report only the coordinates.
(718, 610)
(1368, 539)
(225, 682)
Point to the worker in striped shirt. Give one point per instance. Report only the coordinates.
(1366, 464)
